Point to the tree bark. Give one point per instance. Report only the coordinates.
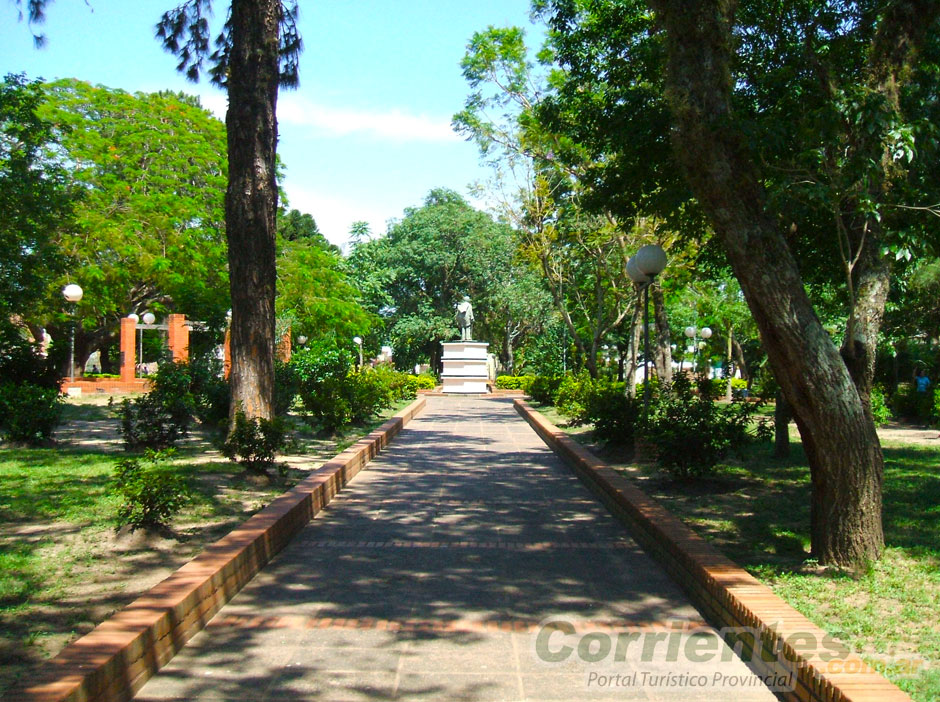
(636, 331)
(729, 372)
(663, 350)
(838, 434)
(739, 360)
(860, 345)
(509, 336)
(251, 202)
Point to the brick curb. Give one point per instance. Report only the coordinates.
(724, 592)
(113, 661)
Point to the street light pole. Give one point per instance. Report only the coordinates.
(73, 294)
(358, 342)
(643, 267)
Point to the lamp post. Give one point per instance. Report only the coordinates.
(72, 294)
(149, 318)
(691, 333)
(358, 342)
(643, 267)
(301, 340)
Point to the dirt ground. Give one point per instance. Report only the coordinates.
(109, 569)
(104, 570)
(909, 434)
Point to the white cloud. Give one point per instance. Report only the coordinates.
(391, 124)
(334, 213)
(215, 102)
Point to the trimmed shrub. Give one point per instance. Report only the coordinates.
(322, 368)
(424, 381)
(333, 395)
(162, 417)
(544, 388)
(613, 414)
(510, 382)
(691, 433)
(151, 493)
(254, 443)
(210, 390)
(571, 399)
(29, 413)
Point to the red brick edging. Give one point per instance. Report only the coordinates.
(723, 591)
(122, 653)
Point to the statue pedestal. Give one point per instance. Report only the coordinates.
(465, 369)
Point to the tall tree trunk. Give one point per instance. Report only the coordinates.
(508, 355)
(636, 331)
(860, 345)
(251, 201)
(729, 372)
(107, 363)
(838, 434)
(739, 360)
(663, 349)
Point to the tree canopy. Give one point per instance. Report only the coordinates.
(147, 232)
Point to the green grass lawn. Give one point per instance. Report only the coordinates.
(757, 512)
(64, 567)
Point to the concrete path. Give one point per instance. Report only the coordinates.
(467, 563)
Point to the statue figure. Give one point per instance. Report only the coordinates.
(465, 319)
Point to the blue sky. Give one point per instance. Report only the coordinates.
(367, 133)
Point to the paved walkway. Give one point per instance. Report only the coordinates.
(467, 563)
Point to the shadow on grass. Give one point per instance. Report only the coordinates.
(758, 512)
(88, 413)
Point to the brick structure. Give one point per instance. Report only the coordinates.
(728, 595)
(114, 661)
(128, 349)
(178, 338)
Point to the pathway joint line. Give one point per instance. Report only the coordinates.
(114, 660)
(728, 595)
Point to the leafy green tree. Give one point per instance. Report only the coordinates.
(147, 232)
(580, 254)
(35, 197)
(788, 121)
(315, 292)
(296, 225)
(415, 276)
(256, 53)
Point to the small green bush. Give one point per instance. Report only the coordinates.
(906, 402)
(571, 399)
(322, 368)
(333, 395)
(29, 413)
(286, 387)
(210, 390)
(544, 388)
(151, 493)
(254, 443)
(511, 382)
(162, 417)
(879, 408)
(424, 381)
(613, 414)
(691, 433)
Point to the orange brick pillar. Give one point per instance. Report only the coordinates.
(178, 338)
(284, 348)
(128, 349)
